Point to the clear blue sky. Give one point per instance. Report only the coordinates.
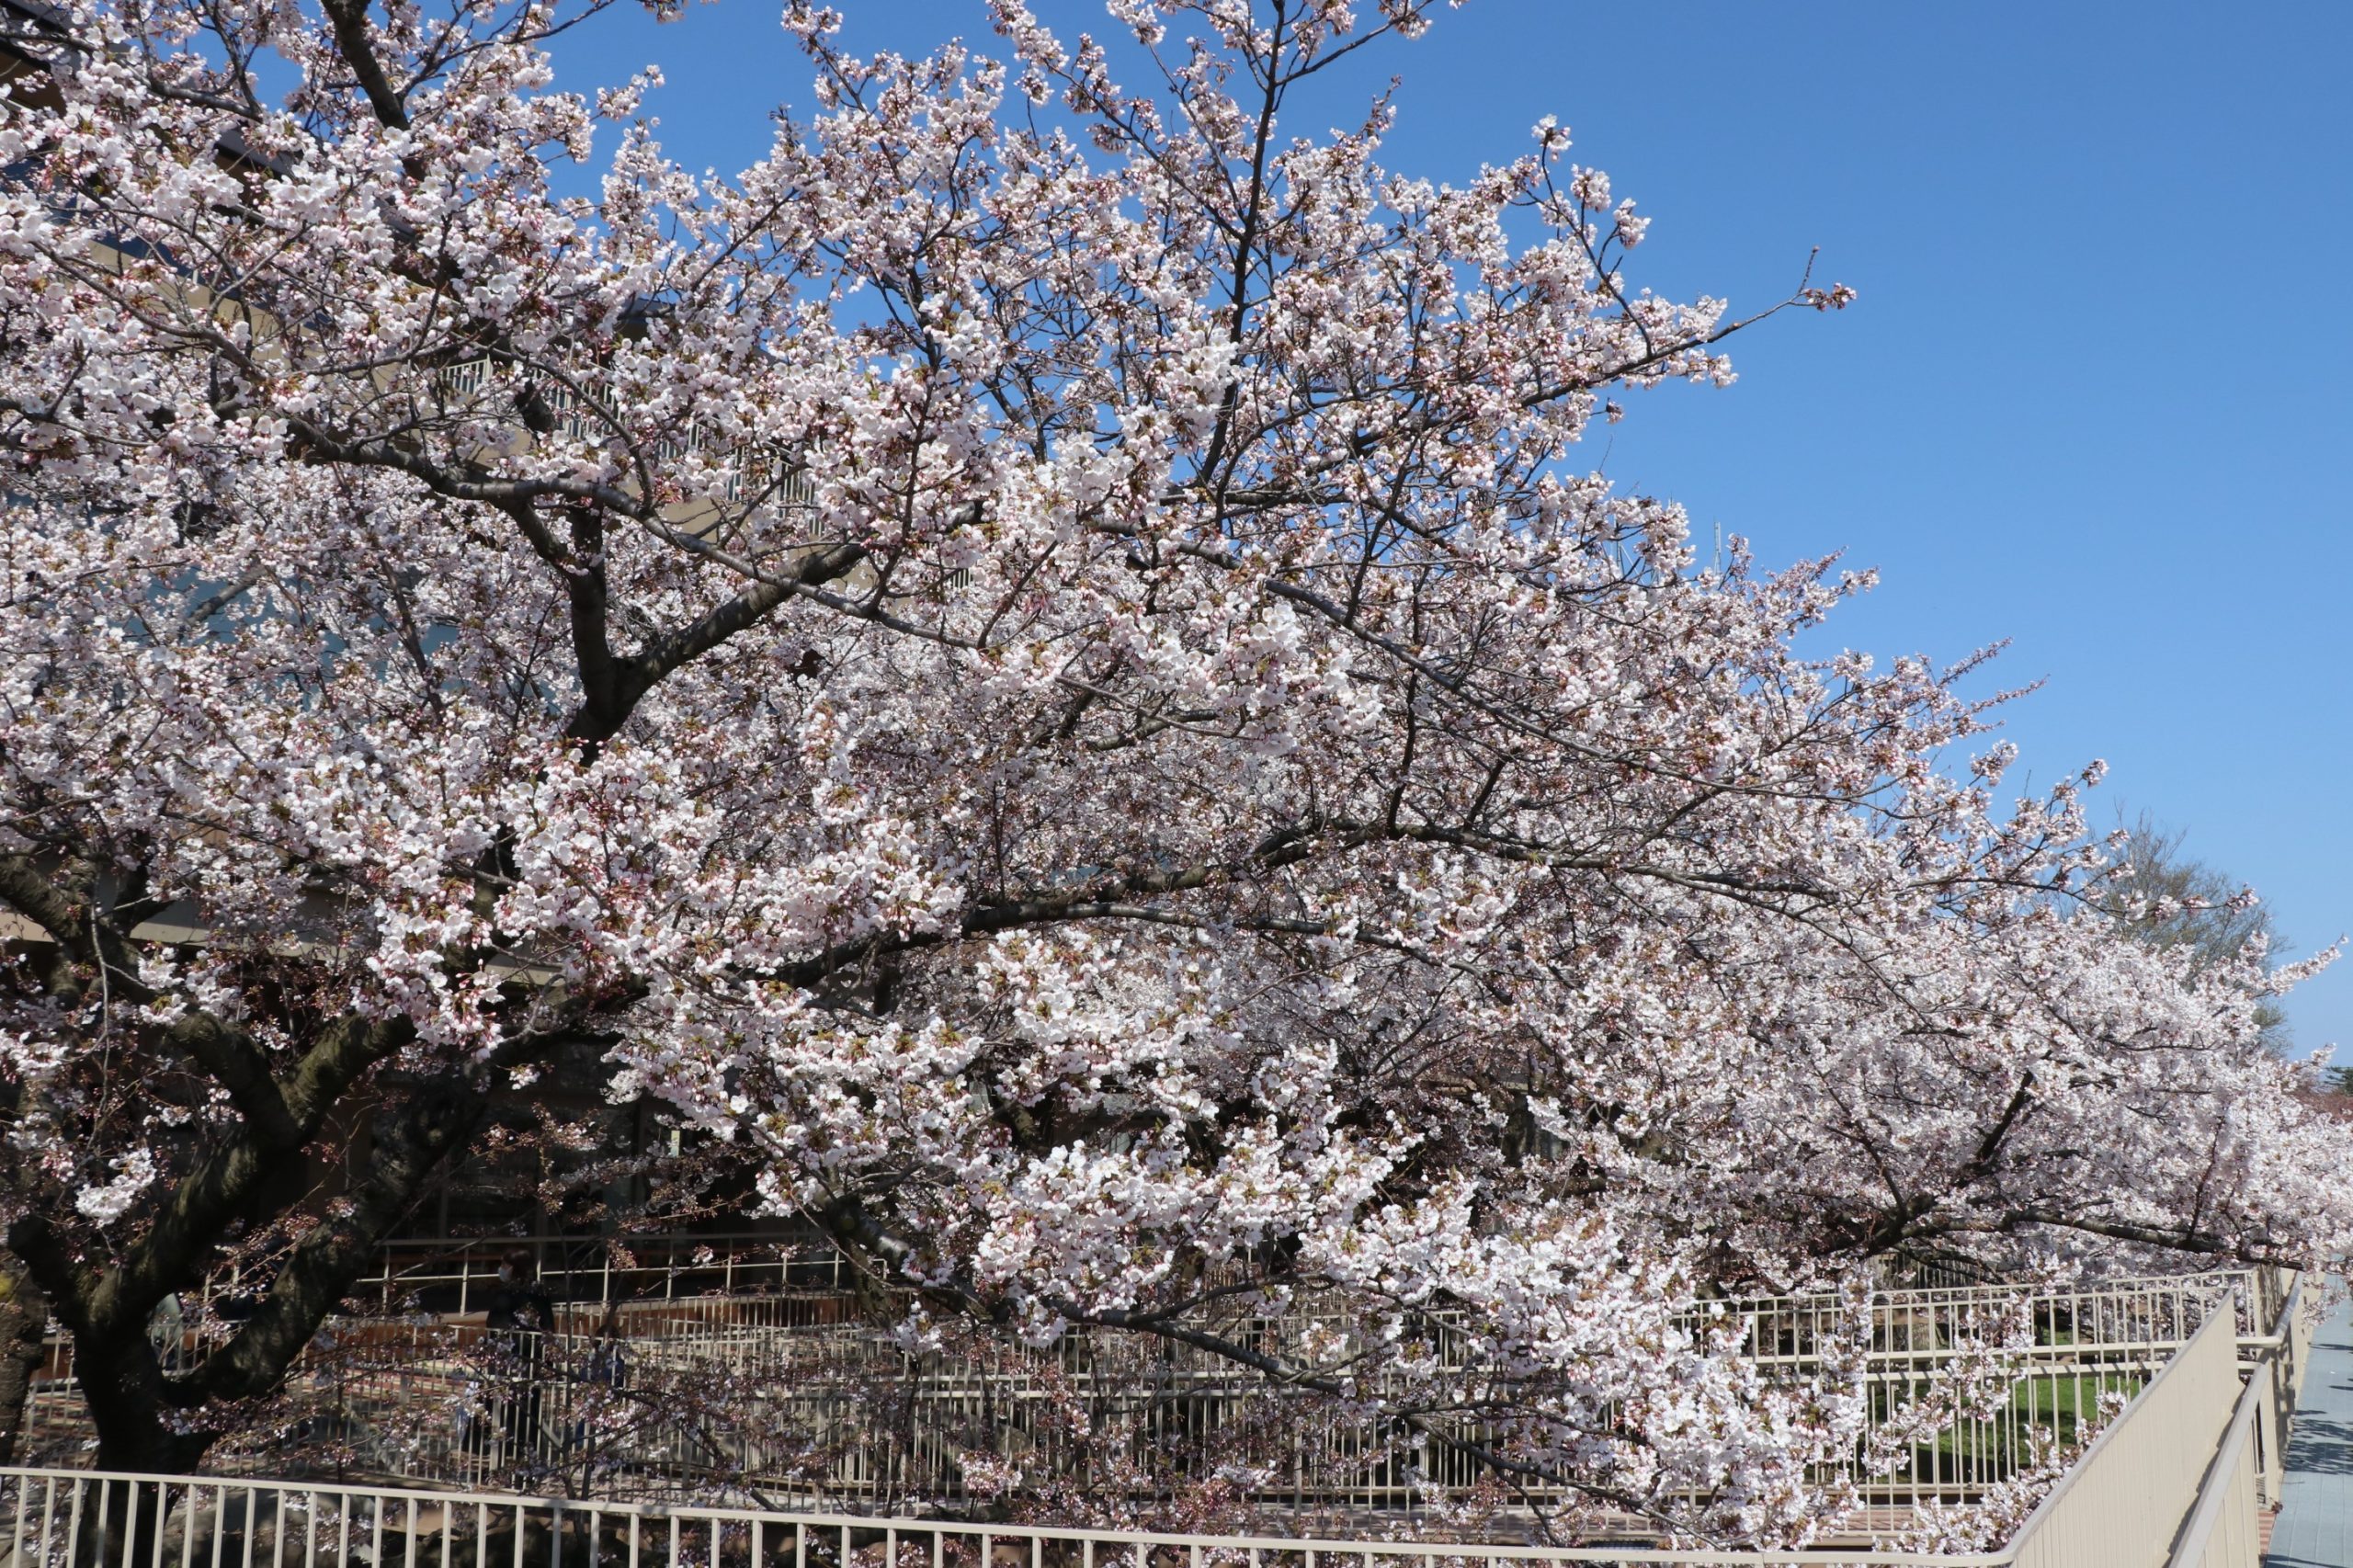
(2094, 398)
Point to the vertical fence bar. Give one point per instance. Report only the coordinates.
(131, 1516)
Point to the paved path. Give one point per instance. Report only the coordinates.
(2315, 1528)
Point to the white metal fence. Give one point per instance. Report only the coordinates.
(2179, 1478)
(2123, 1505)
(80, 1519)
(2124, 1500)
(2225, 1527)
(835, 1417)
(839, 1412)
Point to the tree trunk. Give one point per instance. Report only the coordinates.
(24, 1351)
(149, 1424)
(122, 1386)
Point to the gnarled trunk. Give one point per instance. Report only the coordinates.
(24, 1350)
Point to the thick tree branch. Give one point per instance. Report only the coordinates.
(349, 19)
(412, 1142)
(184, 1231)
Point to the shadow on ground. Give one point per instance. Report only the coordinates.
(2322, 1444)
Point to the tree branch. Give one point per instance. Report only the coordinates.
(349, 19)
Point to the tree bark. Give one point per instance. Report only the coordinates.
(24, 1350)
(149, 1420)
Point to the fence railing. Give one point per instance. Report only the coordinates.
(686, 1397)
(2158, 1310)
(2174, 1479)
(2126, 1497)
(839, 1414)
(2225, 1527)
(83, 1519)
(708, 1274)
(2179, 1477)
(464, 1275)
(2280, 1356)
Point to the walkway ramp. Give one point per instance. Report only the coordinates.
(2315, 1523)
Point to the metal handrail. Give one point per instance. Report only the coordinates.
(2055, 1533)
(2222, 1530)
(2157, 1462)
(692, 1536)
(2113, 1498)
(2224, 1527)
(463, 1403)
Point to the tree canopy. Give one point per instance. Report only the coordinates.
(1040, 664)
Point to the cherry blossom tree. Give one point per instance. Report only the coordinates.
(1041, 664)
